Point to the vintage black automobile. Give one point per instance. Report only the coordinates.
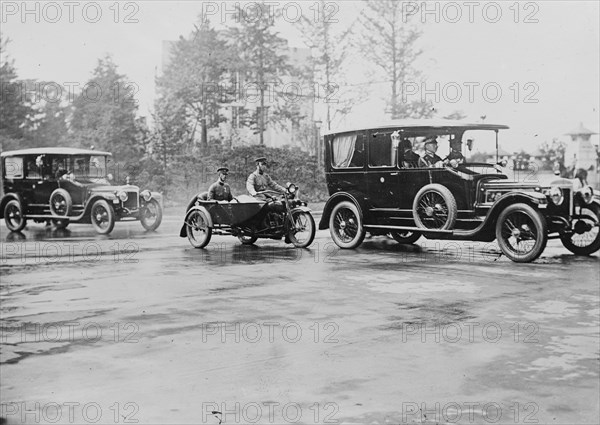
(67, 185)
(375, 186)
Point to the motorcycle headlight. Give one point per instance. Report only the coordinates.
(292, 188)
(587, 194)
(122, 195)
(556, 195)
(146, 195)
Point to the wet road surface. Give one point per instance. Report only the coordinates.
(142, 328)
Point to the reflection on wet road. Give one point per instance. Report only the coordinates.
(141, 326)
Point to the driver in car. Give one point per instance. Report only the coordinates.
(260, 181)
(455, 157)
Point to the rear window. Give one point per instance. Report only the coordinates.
(13, 166)
(382, 150)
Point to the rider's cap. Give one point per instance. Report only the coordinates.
(430, 139)
(223, 170)
(261, 159)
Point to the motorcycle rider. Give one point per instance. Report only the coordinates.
(260, 181)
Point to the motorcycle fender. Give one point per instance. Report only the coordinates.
(182, 232)
(301, 208)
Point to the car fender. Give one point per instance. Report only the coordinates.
(535, 199)
(109, 197)
(356, 198)
(9, 197)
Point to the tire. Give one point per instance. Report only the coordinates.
(197, 221)
(13, 216)
(247, 240)
(102, 217)
(61, 203)
(434, 207)
(345, 225)
(60, 223)
(584, 242)
(405, 236)
(521, 233)
(302, 231)
(151, 215)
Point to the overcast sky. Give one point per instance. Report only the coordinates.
(546, 64)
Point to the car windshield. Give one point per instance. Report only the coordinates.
(89, 167)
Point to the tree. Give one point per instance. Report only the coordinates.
(104, 115)
(15, 102)
(329, 52)
(263, 62)
(196, 75)
(388, 41)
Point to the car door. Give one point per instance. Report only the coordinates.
(383, 172)
(48, 182)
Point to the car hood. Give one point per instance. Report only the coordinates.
(534, 184)
(112, 188)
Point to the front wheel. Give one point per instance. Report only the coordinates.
(13, 216)
(405, 236)
(102, 217)
(585, 239)
(197, 229)
(302, 229)
(521, 232)
(151, 215)
(345, 225)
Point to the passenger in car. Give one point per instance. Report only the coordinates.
(430, 159)
(409, 159)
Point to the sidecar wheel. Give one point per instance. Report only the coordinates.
(197, 229)
(247, 240)
(302, 229)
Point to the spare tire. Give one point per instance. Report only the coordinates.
(434, 208)
(60, 203)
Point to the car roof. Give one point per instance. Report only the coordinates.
(53, 151)
(424, 124)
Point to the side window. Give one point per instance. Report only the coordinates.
(33, 170)
(382, 150)
(13, 166)
(347, 151)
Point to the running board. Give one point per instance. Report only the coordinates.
(412, 229)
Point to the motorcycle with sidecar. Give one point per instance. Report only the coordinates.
(275, 216)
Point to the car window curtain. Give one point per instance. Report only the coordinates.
(343, 149)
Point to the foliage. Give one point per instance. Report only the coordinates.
(388, 40)
(15, 103)
(262, 63)
(554, 155)
(104, 115)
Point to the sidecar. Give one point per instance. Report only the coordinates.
(244, 218)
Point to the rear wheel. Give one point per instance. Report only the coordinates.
(585, 239)
(521, 232)
(151, 215)
(302, 229)
(345, 225)
(405, 236)
(197, 228)
(103, 217)
(13, 216)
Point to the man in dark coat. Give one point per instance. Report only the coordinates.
(430, 159)
(220, 191)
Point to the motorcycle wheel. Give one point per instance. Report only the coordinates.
(302, 229)
(197, 229)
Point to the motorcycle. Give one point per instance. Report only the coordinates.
(274, 217)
